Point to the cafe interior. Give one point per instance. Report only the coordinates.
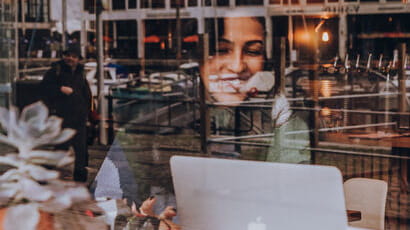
(230, 138)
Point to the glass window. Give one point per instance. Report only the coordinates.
(161, 38)
(132, 4)
(92, 25)
(175, 2)
(36, 11)
(207, 2)
(89, 5)
(144, 3)
(222, 2)
(118, 4)
(356, 119)
(379, 34)
(126, 39)
(314, 1)
(192, 2)
(158, 4)
(284, 2)
(249, 2)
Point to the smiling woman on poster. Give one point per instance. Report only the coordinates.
(237, 59)
(236, 71)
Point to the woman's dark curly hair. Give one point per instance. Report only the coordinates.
(211, 25)
(217, 24)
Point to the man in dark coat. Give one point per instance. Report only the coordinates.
(67, 95)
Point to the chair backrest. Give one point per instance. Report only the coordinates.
(369, 197)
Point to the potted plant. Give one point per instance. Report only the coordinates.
(29, 189)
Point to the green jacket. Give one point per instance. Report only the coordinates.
(290, 143)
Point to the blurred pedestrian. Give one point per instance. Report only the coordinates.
(68, 95)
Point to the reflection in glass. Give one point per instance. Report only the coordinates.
(118, 4)
(132, 4)
(249, 2)
(8, 51)
(237, 53)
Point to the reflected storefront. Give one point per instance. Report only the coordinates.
(161, 39)
(378, 33)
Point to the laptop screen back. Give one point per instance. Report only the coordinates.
(235, 194)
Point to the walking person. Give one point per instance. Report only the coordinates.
(67, 94)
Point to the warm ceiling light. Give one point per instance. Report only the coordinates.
(325, 112)
(302, 36)
(325, 36)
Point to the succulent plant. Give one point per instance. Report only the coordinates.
(28, 186)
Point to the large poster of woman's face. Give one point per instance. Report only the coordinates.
(236, 59)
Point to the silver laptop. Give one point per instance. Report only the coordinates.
(222, 194)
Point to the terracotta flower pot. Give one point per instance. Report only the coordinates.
(46, 220)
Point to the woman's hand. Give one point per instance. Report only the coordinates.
(168, 213)
(166, 219)
(66, 90)
(147, 207)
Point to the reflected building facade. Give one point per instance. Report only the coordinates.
(35, 28)
(148, 28)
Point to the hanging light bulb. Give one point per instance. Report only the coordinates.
(325, 36)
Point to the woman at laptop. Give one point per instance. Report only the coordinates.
(236, 71)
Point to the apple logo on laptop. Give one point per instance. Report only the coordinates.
(258, 225)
